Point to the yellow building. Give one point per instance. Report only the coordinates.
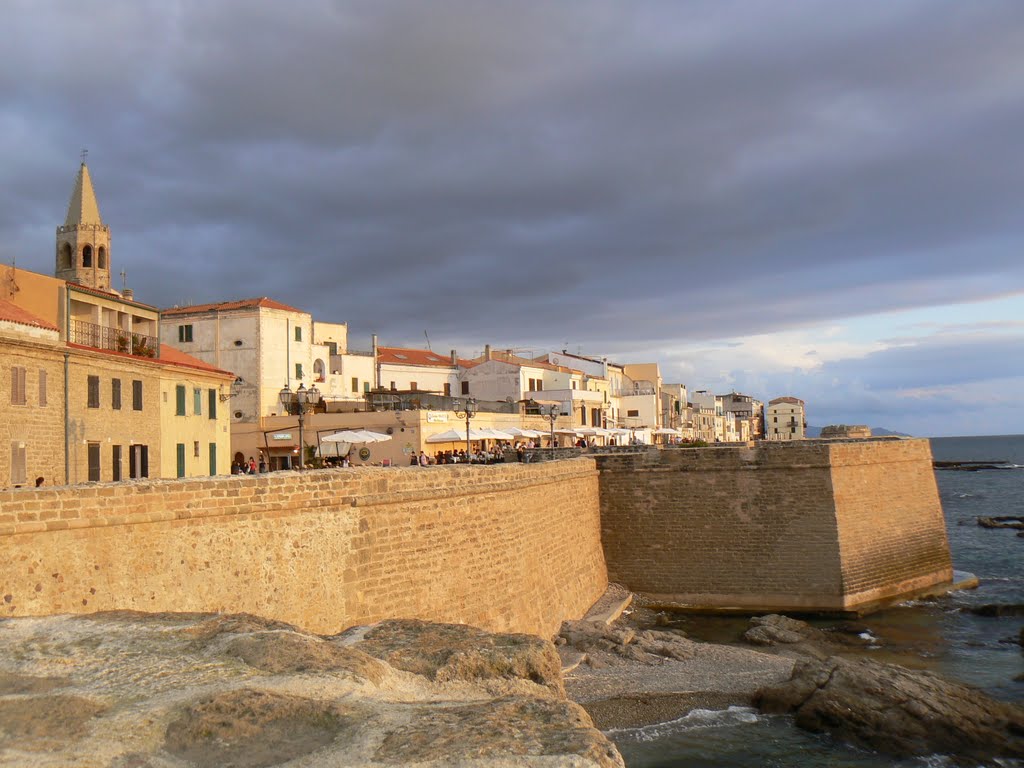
(89, 386)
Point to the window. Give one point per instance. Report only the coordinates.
(115, 463)
(355, 384)
(393, 387)
(540, 385)
(181, 459)
(19, 474)
(197, 401)
(94, 391)
(298, 333)
(633, 414)
(94, 462)
(211, 401)
(447, 389)
(179, 406)
(138, 461)
(87, 256)
(465, 387)
(184, 333)
(115, 394)
(42, 387)
(298, 370)
(195, 448)
(412, 385)
(574, 385)
(213, 459)
(366, 386)
(18, 386)
(137, 400)
(332, 347)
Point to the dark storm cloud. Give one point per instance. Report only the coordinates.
(529, 172)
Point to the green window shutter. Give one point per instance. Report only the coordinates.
(197, 402)
(213, 457)
(179, 392)
(211, 411)
(181, 459)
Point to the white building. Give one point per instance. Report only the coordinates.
(785, 419)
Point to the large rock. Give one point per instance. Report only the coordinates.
(902, 712)
(457, 652)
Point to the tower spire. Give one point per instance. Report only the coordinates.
(83, 241)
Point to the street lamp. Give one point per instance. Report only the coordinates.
(466, 409)
(302, 401)
(552, 412)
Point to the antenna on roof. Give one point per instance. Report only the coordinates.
(124, 280)
(84, 154)
(428, 340)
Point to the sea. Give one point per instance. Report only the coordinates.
(939, 634)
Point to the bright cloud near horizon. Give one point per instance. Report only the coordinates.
(802, 198)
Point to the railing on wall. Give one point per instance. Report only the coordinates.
(113, 339)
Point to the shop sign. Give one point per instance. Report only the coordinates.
(281, 436)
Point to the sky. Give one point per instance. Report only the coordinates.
(817, 199)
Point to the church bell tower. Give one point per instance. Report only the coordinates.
(83, 242)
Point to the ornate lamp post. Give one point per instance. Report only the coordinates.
(466, 409)
(301, 401)
(551, 413)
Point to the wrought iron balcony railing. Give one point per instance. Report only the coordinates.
(114, 339)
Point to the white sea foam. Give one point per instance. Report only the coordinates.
(695, 719)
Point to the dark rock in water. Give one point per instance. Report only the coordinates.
(255, 728)
(898, 711)
(286, 652)
(500, 730)
(998, 609)
(1002, 521)
(775, 629)
(446, 652)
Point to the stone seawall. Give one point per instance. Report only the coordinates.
(503, 547)
(804, 526)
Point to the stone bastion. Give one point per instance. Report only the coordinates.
(809, 526)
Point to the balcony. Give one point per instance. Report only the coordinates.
(113, 339)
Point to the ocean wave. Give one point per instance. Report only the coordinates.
(695, 719)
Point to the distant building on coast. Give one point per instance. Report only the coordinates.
(785, 419)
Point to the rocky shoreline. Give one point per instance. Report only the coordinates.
(632, 675)
(136, 690)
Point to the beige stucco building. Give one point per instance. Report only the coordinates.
(785, 419)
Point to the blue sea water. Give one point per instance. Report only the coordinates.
(936, 634)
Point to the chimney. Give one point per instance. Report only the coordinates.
(129, 294)
(487, 351)
(455, 358)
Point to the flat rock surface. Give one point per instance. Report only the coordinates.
(129, 690)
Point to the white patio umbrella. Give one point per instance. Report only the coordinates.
(517, 432)
(355, 436)
(487, 433)
(666, 431)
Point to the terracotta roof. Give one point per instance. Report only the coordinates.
(507, 357)
(107, 294)
(12, 313)
(404, 356)
(169, 356)
(172, 356)
(793, 400)
(227, 306)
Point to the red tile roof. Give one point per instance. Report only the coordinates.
(504, 356)
(12, 313)
(172, 356)
(404, 356)
(227, 306)
(169, 357)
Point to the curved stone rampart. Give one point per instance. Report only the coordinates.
(797, 526)
(504, 547)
